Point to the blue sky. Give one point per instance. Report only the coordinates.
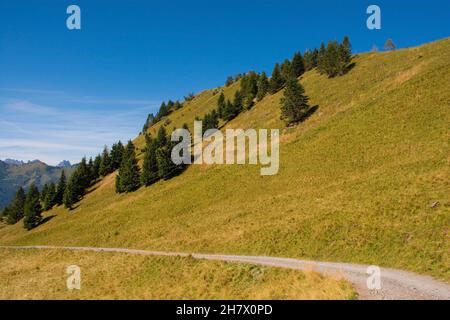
(64, 94)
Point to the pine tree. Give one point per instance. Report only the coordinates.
(263, 86)
(60, 189)
(117, 151)
(389, 45)
(166, 167)
(332, 62)
(308, 60)
(70, 193)
(128, 179)
(286, 70)
(83, 175)
(294, 104)
(49, 200)
(150, 166)
(297, 65)
(346, 43)
(276, 81)
(105, 165)
(161, 138)
(15, 211)
(221, 105)
(322, 59)
(229, 111)
(32, 209)
(43, 193)
(96, 167)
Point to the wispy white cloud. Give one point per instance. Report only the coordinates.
(28, 107)
(32, 130)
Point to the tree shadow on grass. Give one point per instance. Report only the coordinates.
(46, 219)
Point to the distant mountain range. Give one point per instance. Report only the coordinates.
(16, 173)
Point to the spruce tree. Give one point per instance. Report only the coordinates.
(221, 105)
(166, 167)
(332, 61)
(150, 166)
(15, 211)
(128, 178)
(297, 65)
(308, 60)
(43, 193)
(263, 86)
(294, 104)
(117, 151)
(286, 70)
(96, 167)
(60, 189)
(161, 138)
(105, 164)
(83, 175)
(70, 193)
(49, 199)
(32, 209)
(237, 103)
(229, 111)
(276, 80)
(322, 59)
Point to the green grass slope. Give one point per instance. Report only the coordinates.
(355, 184)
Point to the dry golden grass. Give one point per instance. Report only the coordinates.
(41, 274)
(355, 184)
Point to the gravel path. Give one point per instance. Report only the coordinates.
(395, 284)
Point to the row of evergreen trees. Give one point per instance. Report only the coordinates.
(157, 163)
(164, 110)
(29, 205)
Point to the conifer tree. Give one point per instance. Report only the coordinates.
(43, 193)
(15, 211)
(294, 104)
(221, 105)
(263, 86)
(286, 70)
(161, 138)
(70, 193)
(297, 65)
(49, 200)
(308, 60)
(150, 166)
(117, 151)
(332, 62)
(276, 80)
(128, 178)
(346, 43)
(90, 167)
(32, 209)
(322, 59)
(61, 188)
(83, 175)
(105, 165)
(166, 167)
(96, 167)
(229, 111)
(237, 103)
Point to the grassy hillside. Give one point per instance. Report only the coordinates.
(355, 184)
(34, 274)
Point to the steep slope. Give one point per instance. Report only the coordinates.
(356, 179)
